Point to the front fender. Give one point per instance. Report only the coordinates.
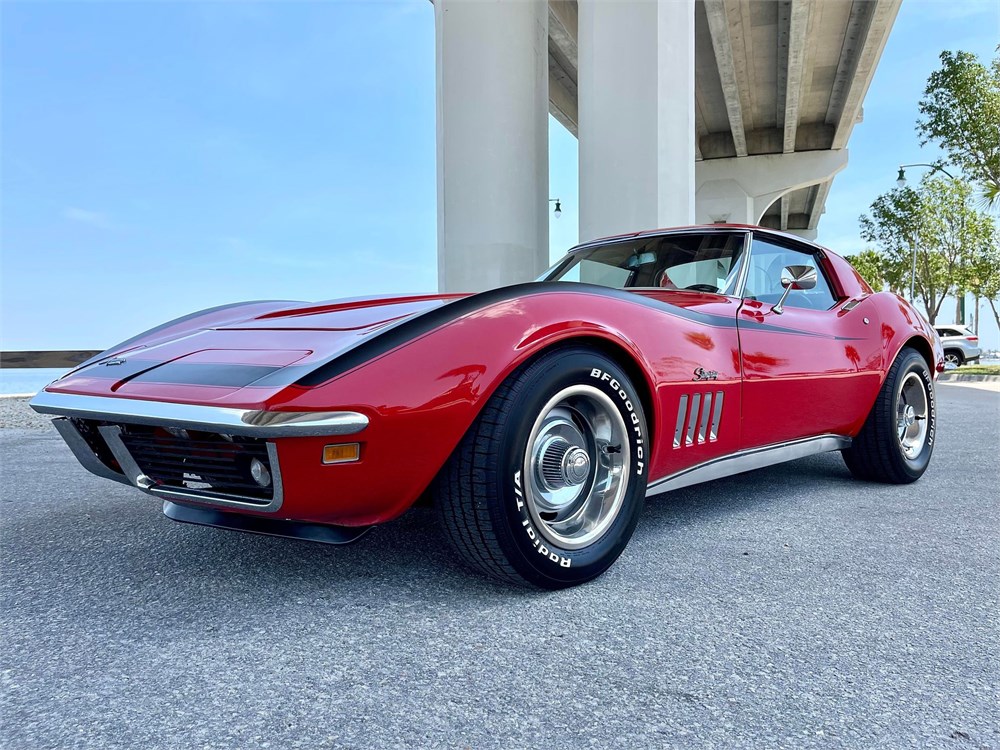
(422, 396)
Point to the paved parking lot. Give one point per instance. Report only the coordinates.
(790, 607)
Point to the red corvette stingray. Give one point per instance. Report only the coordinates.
(537, 417)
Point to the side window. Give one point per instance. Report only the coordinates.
(764, 277)
(701, 263)
(947, 332)
(598, 273)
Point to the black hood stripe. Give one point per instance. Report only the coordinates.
(230, 375)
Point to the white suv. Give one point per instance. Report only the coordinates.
(960, 344)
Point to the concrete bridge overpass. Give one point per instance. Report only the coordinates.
(686, 111)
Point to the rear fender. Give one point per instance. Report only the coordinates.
(902, 325)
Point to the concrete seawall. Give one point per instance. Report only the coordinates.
(47, 359)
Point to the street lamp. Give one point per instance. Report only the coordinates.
(558, 211)
(901, 177)
(901, 182)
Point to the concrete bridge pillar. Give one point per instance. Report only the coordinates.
(739, 190)
(492, 142)
(636, 115)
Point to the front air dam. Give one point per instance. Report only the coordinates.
(310, 532)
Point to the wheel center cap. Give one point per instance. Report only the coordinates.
(909, 416)
(576, 466)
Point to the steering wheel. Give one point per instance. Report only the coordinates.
(703, 288)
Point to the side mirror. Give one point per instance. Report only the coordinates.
(794, 278)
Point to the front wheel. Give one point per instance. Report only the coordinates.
(897, 440)
(547, 486)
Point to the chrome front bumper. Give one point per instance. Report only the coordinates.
(107, 415)
(228, 421)
(132, 474)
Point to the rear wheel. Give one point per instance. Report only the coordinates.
(547, 486)
(897, 440)
(954, 357)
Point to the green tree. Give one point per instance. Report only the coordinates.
(982, 276)
(894, 228)
(940, 223)
(869, 263)
(963, 234)
(960, 112)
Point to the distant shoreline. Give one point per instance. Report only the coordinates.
(64, 359)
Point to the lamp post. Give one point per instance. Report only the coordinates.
(901, 177)
(901, 182)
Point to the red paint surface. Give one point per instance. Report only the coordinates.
(423, 396)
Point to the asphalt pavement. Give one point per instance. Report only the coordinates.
(791, 607)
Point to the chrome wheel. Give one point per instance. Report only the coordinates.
(576, 466)
(911, 415)
(953, 359)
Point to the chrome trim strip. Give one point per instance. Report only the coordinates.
(84, 453)
(112, 436)
(716, 416)
(693, 418)
(254, 423)
(754, 458)
(741, 282)
(681, 414)
(278, 496)
(706, 411)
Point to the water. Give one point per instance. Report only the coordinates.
(21, 380)
(18, 380)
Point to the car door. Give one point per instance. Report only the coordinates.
(698, 369)
(811, 368)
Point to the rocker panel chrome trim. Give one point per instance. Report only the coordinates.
(112, 436)
(748, 460)
(87, 458)
(254, 423)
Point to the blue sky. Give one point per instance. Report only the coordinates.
(162, 157)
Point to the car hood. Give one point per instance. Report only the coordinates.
(261, 354)
(341, 315)
(246, 354)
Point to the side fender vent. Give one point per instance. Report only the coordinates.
(698, 418)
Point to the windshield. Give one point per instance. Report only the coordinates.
(693, 262)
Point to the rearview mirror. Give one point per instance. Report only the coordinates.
(640, 259)
(794, 278)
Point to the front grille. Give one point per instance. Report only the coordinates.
(202, 463)
(88, 431)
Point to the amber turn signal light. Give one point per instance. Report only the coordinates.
(341, 454)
